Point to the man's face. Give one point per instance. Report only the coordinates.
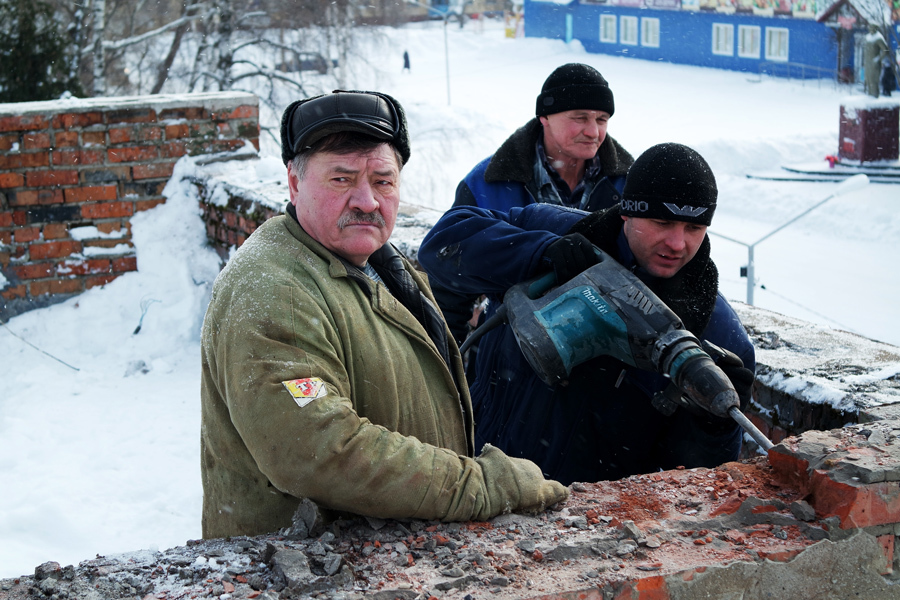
(662, 247)
(574, 134)
(348, 202)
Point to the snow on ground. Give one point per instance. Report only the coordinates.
(105, 459)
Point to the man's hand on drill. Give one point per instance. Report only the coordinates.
(733, 367)
(570, 255)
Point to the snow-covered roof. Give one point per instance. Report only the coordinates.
(875, 12)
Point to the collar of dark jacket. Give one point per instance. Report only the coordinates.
(515, 158)
(690, 293)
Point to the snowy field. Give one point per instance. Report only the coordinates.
(99, 426)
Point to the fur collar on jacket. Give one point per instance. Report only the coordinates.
(514, 160)
(690, 293)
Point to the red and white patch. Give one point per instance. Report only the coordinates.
(304, 391)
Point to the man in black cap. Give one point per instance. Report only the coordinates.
(563, 156)
(602, 423)
(328, 372)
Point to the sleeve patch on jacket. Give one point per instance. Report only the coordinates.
(304, 391)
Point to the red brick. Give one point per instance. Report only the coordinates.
(152, 170)
(54, 249)
(6, 219)
(150, 134)
(71, 120)
(18, 291)
(22, 123)
(36, 197)
(175, 149)
(77, 157)
(111, 226)
(191, 113)
(212, 146)
(83, 267)
(121, 135)
(55, 286)
(54, 231)
(132, 154)
(5, 238)
(99, 243)
(24, 160)
(33, 270)
(27, 234)
(20, 217)
(777, 435)
(7, 142)
(65, 139)
(246, 225)
(856, 505)
(10, 180)
(241, 112)
(124, 264)
(91, 193)
(176, 131)
(91, 282)
(51, 178)
(36, 141)
(94, 138)
(107, 210)
(131, 115)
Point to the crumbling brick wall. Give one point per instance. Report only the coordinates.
(74, 172)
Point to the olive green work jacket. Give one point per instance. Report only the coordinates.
(391, 436)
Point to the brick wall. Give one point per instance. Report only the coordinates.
(73, 173)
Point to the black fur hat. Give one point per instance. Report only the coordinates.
(572, 87)
(670, 182)
(306, 121)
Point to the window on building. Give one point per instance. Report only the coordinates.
(650, 32)
(723, 39)
(630, 31)
(608, 29)
(748, 41)
(776, 43)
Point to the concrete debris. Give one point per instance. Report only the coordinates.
(808, 522)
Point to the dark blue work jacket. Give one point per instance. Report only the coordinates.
(601, 426)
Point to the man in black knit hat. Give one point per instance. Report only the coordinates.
(602, 423)
(563, 156)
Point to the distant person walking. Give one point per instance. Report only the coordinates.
(888, 77)
(406, 61)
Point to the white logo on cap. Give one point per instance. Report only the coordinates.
(685, 211)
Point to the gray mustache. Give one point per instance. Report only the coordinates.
(358, 217)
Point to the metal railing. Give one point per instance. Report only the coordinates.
(791, 70)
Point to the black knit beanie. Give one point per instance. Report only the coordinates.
(306, 121)
(574, 87)
(670, 182)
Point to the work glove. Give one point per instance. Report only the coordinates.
(733, 367)
(570, 255)
(516, 484)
